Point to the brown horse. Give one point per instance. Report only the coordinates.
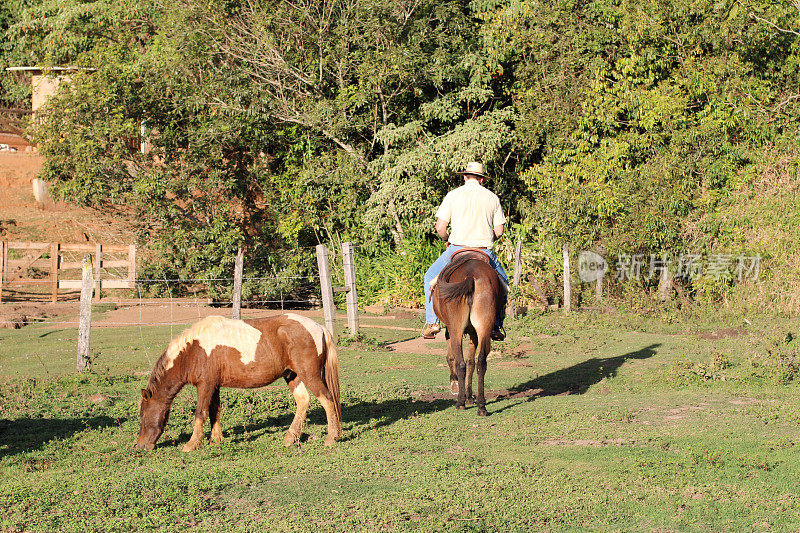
(467, 296)
(219, 352)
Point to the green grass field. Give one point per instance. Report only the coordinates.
(602, 422)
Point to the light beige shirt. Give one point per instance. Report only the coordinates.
(472, 211)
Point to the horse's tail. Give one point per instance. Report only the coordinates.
(458, 290)
(331, 371)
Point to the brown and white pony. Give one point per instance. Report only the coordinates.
(467, 296)
(219, 352)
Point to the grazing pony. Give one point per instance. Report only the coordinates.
(467, 296)
(219, 352)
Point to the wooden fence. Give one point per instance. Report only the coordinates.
(45, 264)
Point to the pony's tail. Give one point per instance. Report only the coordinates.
(331, 371)
(455, 291)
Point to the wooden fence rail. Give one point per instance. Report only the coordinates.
(17, 259)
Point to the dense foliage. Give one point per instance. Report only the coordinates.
(623, 123)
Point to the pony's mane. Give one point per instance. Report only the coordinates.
(159, 369)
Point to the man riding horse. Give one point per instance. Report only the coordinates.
(476, 220)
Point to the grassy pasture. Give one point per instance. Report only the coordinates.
(601, 423)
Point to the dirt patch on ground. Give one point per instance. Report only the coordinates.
(513, 364)
(17, 171)
(501, 394)
(722, 333)
(164, 313)
(421, 346)
(150, 312)
(22, 220)
(585, 442)
(16, 315)
(16, 142)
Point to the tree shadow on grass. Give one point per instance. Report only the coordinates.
(575, 379)
(29, 434)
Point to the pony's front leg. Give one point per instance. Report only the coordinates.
(205, 392)
(214, 418)
(302, 399)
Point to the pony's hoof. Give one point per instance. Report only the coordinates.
(330, 440)
(215, 439)
(460, 407)
(191, 446)
(454, 388)
(290, 440)
(482, 411)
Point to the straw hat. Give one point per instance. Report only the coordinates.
(476, 169)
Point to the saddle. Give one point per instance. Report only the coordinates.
(471, 253)
(462, 255)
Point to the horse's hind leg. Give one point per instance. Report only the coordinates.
(473, 344)
(456, 354)
(214, 418)
(205, 392)
(484, 345)
(302, 399)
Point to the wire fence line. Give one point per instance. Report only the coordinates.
(180, 303)
(143, 302)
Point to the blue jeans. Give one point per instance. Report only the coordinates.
(438, 266)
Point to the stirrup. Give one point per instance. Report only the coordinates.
(430, 331)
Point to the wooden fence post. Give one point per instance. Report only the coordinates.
(132, 265)
(2, 267)
(348, 260)
(54, 250)
(328, 308)
(85, 324)
(517, 276)
(97, 266)
(598, 289)
(237, 284)
(567, 285)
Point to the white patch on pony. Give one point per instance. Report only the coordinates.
(433, 281)
(215, 331)
(316, 330)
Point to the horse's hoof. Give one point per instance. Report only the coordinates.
(482, 411)
(330, 440)
(290, 439)
(191, 446)
(460, 407)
